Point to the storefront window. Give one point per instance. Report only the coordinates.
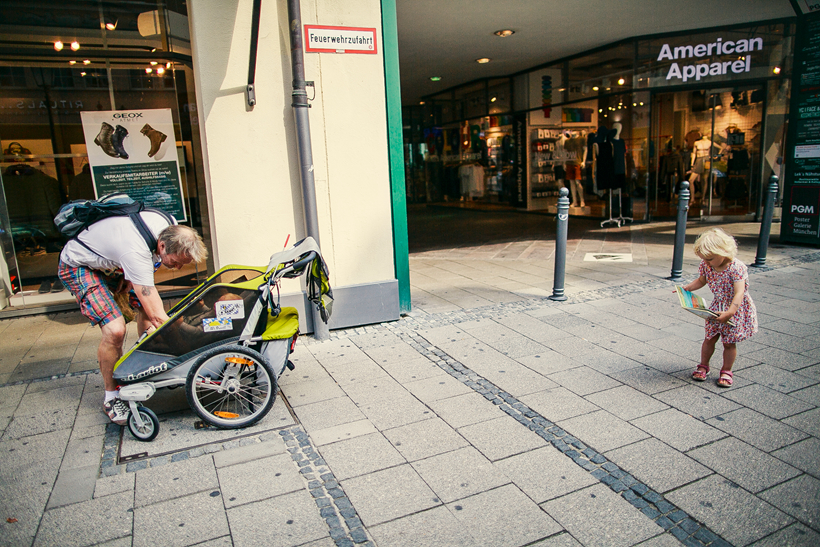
(75, 66)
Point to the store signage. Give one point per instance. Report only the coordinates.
(801, 185)
(327, 39)
(134, 152)
(697, 71)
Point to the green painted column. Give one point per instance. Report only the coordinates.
(395, 143)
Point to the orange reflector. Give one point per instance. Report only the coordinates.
(223, 414)
(238, 360)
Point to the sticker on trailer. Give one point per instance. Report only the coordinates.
(235, 309)
(217, 324)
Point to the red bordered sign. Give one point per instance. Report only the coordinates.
(327, 39)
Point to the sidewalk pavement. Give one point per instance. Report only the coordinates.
(490, 415)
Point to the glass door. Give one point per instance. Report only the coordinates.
(712, 139)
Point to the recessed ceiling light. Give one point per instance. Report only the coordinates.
(75, 45)
(595, 88)
(58, 45)
(621, 81)
(153, 63)
(494, 99)
(776, 70)
(72, 62)
(86, 62)
(504, 33)
(482, 61)
(435, 78)
(148, 70)
(82, 74)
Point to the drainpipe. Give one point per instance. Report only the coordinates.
(300, 113)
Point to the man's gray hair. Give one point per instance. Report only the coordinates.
(182, 240)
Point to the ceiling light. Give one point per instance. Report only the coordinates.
(776, 70)
(149, 70)
(75, 45)
(58, 45)
(72, 62)
(482, 61)
(160, 70)
(82, 74)
(153, 63)
(621, 81)
(493, 99)
(86, 62)
(504, 33)
(168, 64)
(435, 78)
(595, 88)
(110, 23)
(421, 102)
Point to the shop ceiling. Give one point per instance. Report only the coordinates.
(444, 39)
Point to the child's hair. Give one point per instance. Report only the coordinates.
(715, 242)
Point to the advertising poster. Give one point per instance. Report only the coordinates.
(801, 189)
(544, 86)
(134, 152)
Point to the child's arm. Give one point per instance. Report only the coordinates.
(696, 284)
(739, 287)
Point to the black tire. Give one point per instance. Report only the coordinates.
(150, 428)
(247, 399)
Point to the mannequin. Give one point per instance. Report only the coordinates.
(700, 153)
(577, 151)
(619, 168)
(603, 166)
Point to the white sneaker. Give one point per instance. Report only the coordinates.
(117, 411)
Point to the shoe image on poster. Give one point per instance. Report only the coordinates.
(117, 141)
(156, 138)
(103, 140)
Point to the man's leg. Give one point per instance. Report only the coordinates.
(110, 350)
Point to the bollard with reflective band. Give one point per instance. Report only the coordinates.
(766, 224)
(560, 246)
(680, 232)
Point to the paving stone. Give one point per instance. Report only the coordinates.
(556, 474)
(677, 429)
(436, 388)
(626, 403)
(808, 422)
(797, 497)
(602, 430)
(405, 371)
(768, 401)
(776, 378)
(252, 452)
(758, 430)
(697, 402)
(389, 494)
(185, 521)
(796, 535)
(330, 413)
(802, 455)
(87, 523)
(458, 474)
(467, 409)
(174, 480)
(584, 380)
(425, 438)
(503, 516)
(558, 404)
(743, 464)
(657, 464)
(257, 480)
(647, 380)
(361, 455)
(616, 522)
(74, 485)
(431, 528)
(728, 510)
(501, 438)
(549, 362)
(106, 486)
(281, 521)
(514, 377)
(394, 411)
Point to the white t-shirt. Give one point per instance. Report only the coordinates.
(117, 245)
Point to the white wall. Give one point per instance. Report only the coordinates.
(252, 168)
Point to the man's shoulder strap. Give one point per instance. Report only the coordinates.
(145, 231)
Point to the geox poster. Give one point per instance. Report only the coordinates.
(134, 152)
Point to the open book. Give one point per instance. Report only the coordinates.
(695, 304)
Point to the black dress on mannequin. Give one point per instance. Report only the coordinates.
(604, 162)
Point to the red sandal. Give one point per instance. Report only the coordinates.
(700, 373)
(725, 379)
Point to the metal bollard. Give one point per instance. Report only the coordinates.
(561, 246)
(680, 232)
(766, 224)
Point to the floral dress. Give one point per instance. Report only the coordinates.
(722, 286)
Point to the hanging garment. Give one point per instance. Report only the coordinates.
(605, 166)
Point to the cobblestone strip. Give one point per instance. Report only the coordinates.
(652, 504)
(345, 526)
